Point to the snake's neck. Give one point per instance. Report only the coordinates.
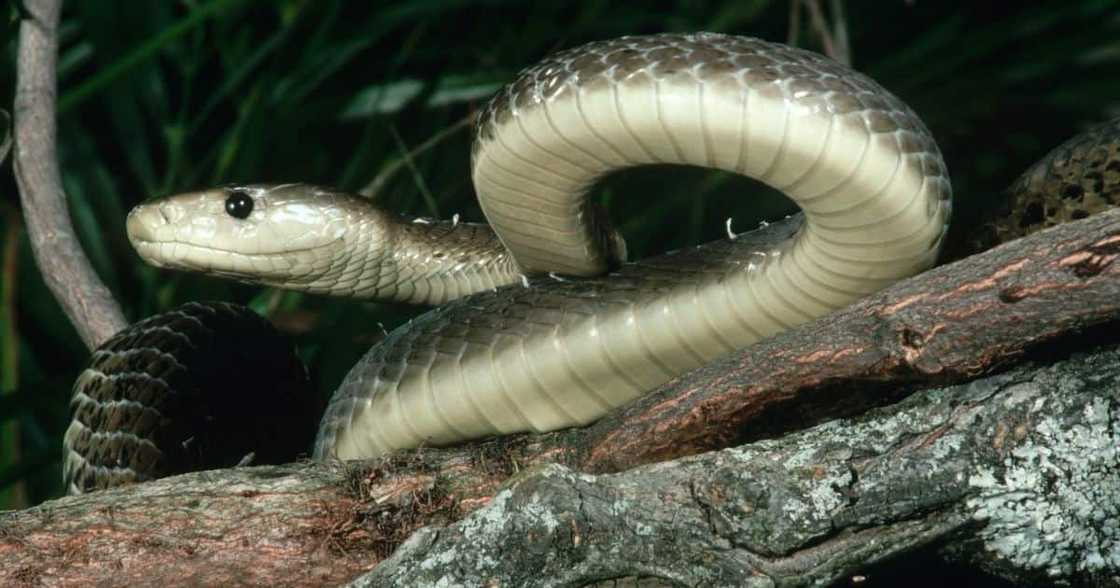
(417, 260)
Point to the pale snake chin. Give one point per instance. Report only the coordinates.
(542, 323)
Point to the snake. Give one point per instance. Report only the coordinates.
(541, 322)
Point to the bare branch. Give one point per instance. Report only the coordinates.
(820, 27)
(417, 177)
(377, 184)
(840, 33)
(975, 462)
(66, 269)
(794, 30)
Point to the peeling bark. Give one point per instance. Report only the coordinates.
(1018, 472)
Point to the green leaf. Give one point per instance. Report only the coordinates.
(140, 54)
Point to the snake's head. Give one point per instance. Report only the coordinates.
(283, 235)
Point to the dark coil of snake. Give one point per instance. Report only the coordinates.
(542, 323)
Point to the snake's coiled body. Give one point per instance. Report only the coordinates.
(1076, 179)
(199, 387)
(863, 168)
(511, 353)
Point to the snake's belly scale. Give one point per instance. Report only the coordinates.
(866, 173)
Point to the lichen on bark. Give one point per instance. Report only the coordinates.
(1023, 463)
(1053, 504)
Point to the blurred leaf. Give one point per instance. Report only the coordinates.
(11, 405)
(140, 54)
(74, 58)
(383, 99)
(391, 98)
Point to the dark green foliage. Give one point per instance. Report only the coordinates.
(162, 97)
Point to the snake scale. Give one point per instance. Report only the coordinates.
(541, 323)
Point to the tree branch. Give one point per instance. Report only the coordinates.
(1001, 466)
(65, 267)
(1021, 467)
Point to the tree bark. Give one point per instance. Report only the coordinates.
(1017, 472)
(1022, 466)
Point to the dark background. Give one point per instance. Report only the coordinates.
(163, 97)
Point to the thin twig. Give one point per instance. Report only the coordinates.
(820, 27)
(373, 189)
(417, 177)
(840, 33)
(66, 269)
(794, 23)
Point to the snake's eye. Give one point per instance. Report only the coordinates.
(239, 204)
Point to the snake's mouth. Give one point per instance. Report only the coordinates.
(209, 242)
(290, 265)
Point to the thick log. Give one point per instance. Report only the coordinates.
(1016, 472)
(1021, 470)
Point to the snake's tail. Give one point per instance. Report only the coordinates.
(202, 386)
(1076, 179)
